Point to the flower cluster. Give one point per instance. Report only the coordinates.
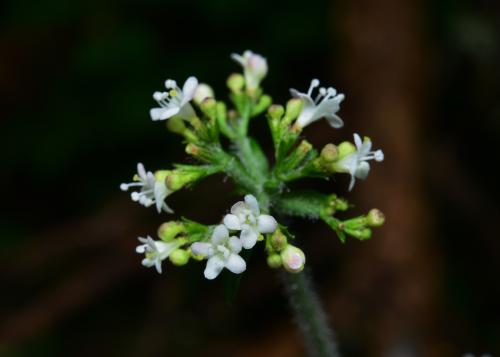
(207, 125)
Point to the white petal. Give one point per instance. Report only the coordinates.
(236, 264)
(214, 266)
(239, 208)
(232, 222)
(189, 89)
(252, 203)
(335, 121)
(357, 141)
(220, 234)
(362, 170)
(158, 265)
(238, 58)
(235, 244)
(141, 171)
(266, 223)
(201, 248)
(248, 238)
(351, 184)
(160, 192)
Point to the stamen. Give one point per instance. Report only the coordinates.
(314, 84)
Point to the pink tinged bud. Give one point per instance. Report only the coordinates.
(293, 259)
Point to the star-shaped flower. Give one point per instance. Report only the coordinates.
(156, 251)
(153, 191)
(222, 252)
(254, 68)
(356, 163)
(175, 101)
(325, 105)
(245, 217)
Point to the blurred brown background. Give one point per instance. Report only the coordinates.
(421, 78)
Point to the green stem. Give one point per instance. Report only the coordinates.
(309, 315)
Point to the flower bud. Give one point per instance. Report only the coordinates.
(329, 153)
(209, 107)
(264, 102)
(345, 148)
(359, 233)
(202, 92)
(276, 111)
(293, 259)
(375, 218)
(179, 178)
(293, 109)
(169, 230)
(235, 82)
(179, 257)
(193, 149)
(278, 240)
(274, 261)
(176, 125)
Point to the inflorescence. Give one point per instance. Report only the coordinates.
(208, 126)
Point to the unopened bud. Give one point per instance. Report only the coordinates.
(345, 148)
(375, 218)
(293, 109)
(329, 153)
(293, 259)
(169, 230)
(176, 125)
(202, 92)
(193, 149)
(235, 82)
(274, 261)
(179, 257)
(208, 107)
(278, 240)
(276, 111)
(360, 233)
(264, 102)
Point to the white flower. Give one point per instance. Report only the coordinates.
(356, 164)
(155, 251)
(222, 252)
(246, 217)
(254, 68)
(175, 101)
(325, 105)
(153, 192)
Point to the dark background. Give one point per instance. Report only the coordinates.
(76, 79)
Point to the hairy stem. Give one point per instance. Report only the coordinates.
(309, 315)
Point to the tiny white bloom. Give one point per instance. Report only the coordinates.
(245, 217)
(175, 101)
(155, 251)
(153, 192)
(356, 164)
(254, 68)
(222, 252)
(325, 105)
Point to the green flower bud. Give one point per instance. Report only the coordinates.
(208, 107)
(169, 230)
(329, 153)
(180, 177)
(176, 125)
(193, 150)
(236, 82)
(276, 111)
(293, 109)
(293, 259)
(274, 261)
(360, 233)
(345, 148)
(278, 240)
(341, 204)
(161, 175)
(375, 218)
(179, 257)
(264, 102)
